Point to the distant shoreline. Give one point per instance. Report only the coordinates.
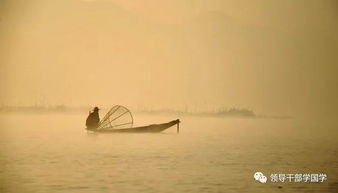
(224, 112)
(234, 112)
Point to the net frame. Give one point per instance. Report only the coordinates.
(116, 112)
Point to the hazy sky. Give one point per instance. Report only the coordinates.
(272, 56)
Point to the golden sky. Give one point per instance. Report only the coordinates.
(272, 56)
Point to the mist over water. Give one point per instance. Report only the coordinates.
(53, 153)
(171, 54)
(254, 83)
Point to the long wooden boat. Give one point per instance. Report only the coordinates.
(155, 128)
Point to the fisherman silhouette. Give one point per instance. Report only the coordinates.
(93, 119)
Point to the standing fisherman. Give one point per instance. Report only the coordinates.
(93, 119)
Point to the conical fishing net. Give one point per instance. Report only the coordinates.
(118, 117)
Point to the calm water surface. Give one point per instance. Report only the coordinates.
(53, 153)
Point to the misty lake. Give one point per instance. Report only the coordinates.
(52, 152)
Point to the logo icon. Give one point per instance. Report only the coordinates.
(258, 176)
